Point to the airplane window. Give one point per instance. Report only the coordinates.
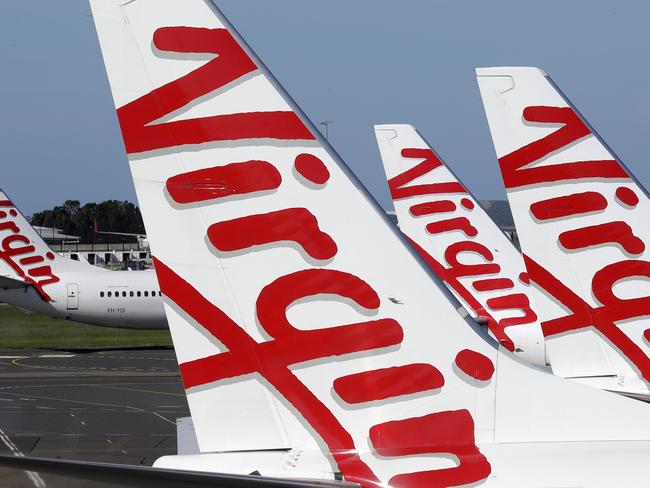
(109, 294)
(130, 293)
(124, 294)
(153, 293)
(146, 293)
(139, 293)
(159, 293)
(101, 294)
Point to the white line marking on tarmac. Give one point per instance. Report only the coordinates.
(56, 356)
(14, 357)
(164, 418)
(34, 477)
(130, 409)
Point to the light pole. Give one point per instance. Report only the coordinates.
(326, 124)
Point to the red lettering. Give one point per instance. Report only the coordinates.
(428, 208)
(312, 168)
(516, 301)
(272, 359)
(431, 162)
(297, 225)
(460, 269)
(15, 250)
(450, 432)
(458, 223)
(137, 118)
(601, 318)
(605, 279)
(577, 203)
(610, 233)
(451, 275)
(388, 383)
(467, 203)
(475, 364)
(223, 181)
(627, 196)
(513, 165)
(493, 284)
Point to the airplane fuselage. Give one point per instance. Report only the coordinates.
(125, 299)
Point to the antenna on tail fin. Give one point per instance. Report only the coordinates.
(462, 244)
(310, 340)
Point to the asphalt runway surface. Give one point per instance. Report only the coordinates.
(107, 406)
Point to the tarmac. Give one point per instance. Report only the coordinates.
(115, 406)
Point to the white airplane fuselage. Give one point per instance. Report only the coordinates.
(124, 299)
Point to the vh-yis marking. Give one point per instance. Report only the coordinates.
(312, 342)
(35, 278)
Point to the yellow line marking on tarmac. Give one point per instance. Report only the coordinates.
(139, 390)
(16, 363)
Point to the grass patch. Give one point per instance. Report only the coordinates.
(20, 330)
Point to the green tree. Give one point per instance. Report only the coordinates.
(109, 216)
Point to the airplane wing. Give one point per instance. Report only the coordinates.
(312, 341)
(459, 240)
(42, 472)
(582, 223)
(10, 283)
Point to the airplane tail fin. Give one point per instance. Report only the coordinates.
(582, 224)
(458, 239)
(25, 256)
(310, 340)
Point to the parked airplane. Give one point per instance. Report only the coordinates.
(312, 345)
(35, 278)
(459, 241)
(582, 221)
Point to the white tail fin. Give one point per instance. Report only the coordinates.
(309, 338)
(460, 242)
(25, 256)
(582, 223)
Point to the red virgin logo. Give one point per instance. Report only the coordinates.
(299, 227)
(17, 251)
(440, 216)
(574, 207)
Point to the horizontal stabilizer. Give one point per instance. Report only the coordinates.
(9, 283)
(302, 321)
(37, 471)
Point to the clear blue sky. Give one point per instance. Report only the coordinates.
(356, 63)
